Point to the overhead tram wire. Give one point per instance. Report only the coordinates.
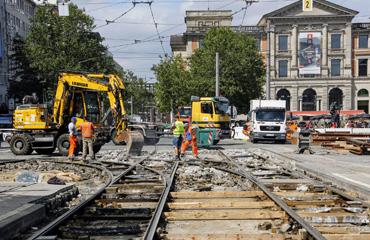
(115, 19)
(156, 28)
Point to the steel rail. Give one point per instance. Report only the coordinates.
(314, 178)
(312, 231)
(153, 225)
(51, 226)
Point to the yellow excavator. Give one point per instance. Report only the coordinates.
(80, 95)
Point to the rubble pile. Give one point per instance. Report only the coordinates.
(199, 178)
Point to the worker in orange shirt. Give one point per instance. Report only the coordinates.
(87, 132)
(190, 139)
(72, 138)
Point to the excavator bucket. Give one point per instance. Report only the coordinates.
(134, 141)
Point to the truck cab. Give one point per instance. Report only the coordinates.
(211, 112)
(268, 121)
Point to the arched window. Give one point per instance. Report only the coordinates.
(363, 93)
(309, 100)
(284, 94)
(336, 96)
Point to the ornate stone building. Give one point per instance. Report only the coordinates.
(315, 57)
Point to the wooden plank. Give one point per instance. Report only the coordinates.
(347, 236)
(216, 200)
(223, 214)
(343, 230)
(311, 202)
(219, 205)
(244, 236)
(151, 205)
(276, 181)
(246, 194)
(217, 227)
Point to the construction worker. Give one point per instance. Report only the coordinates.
(87, 132)
(178, 132)
(72, 138)
(190, 139)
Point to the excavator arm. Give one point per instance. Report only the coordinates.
(113, 87)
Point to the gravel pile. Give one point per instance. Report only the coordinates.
(198, 178)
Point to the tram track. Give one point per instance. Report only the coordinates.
(120, 210)
(327, 210)
(266, 201)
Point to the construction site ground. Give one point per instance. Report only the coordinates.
(348, 171)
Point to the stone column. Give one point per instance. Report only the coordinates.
(272, 51)
(348, 50)
(294, 51)
(294, 99)
(294, 45)
(324, 60)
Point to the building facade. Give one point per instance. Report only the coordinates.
(316, 58)
(15, 20)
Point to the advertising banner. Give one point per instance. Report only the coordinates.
(310, 53)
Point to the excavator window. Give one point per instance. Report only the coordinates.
(92, 107)
(78, 105)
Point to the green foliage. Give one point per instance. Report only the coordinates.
(173, 86)
(65, 43)
(241, 67)
(135, 87)
(241, 72)
(25, 81)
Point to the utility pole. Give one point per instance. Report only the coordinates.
(217, 74)
(132, 106)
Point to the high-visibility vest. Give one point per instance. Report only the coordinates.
(87, 130)
(179, 128)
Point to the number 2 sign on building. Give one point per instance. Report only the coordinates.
(307, 5)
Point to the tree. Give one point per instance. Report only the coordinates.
(241, 67)
(25, 80)
(65, 43)
(173, 87)
(135, 87)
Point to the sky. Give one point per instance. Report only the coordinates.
(133, 39)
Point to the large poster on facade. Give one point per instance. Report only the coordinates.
(309, 53)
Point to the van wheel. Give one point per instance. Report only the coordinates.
(20, 144)
(63, 144)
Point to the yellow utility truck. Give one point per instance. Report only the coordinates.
(211, 112)
(80, 95)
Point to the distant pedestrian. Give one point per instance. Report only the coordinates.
(87, 131)
(72, 138)
(178, 132)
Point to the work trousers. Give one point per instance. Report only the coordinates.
(193, 144)
(87, 144)
(72, 146)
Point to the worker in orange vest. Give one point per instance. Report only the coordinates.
(190, 139)
(72, 138)
(87, 131)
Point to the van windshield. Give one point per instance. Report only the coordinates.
(270, 115)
